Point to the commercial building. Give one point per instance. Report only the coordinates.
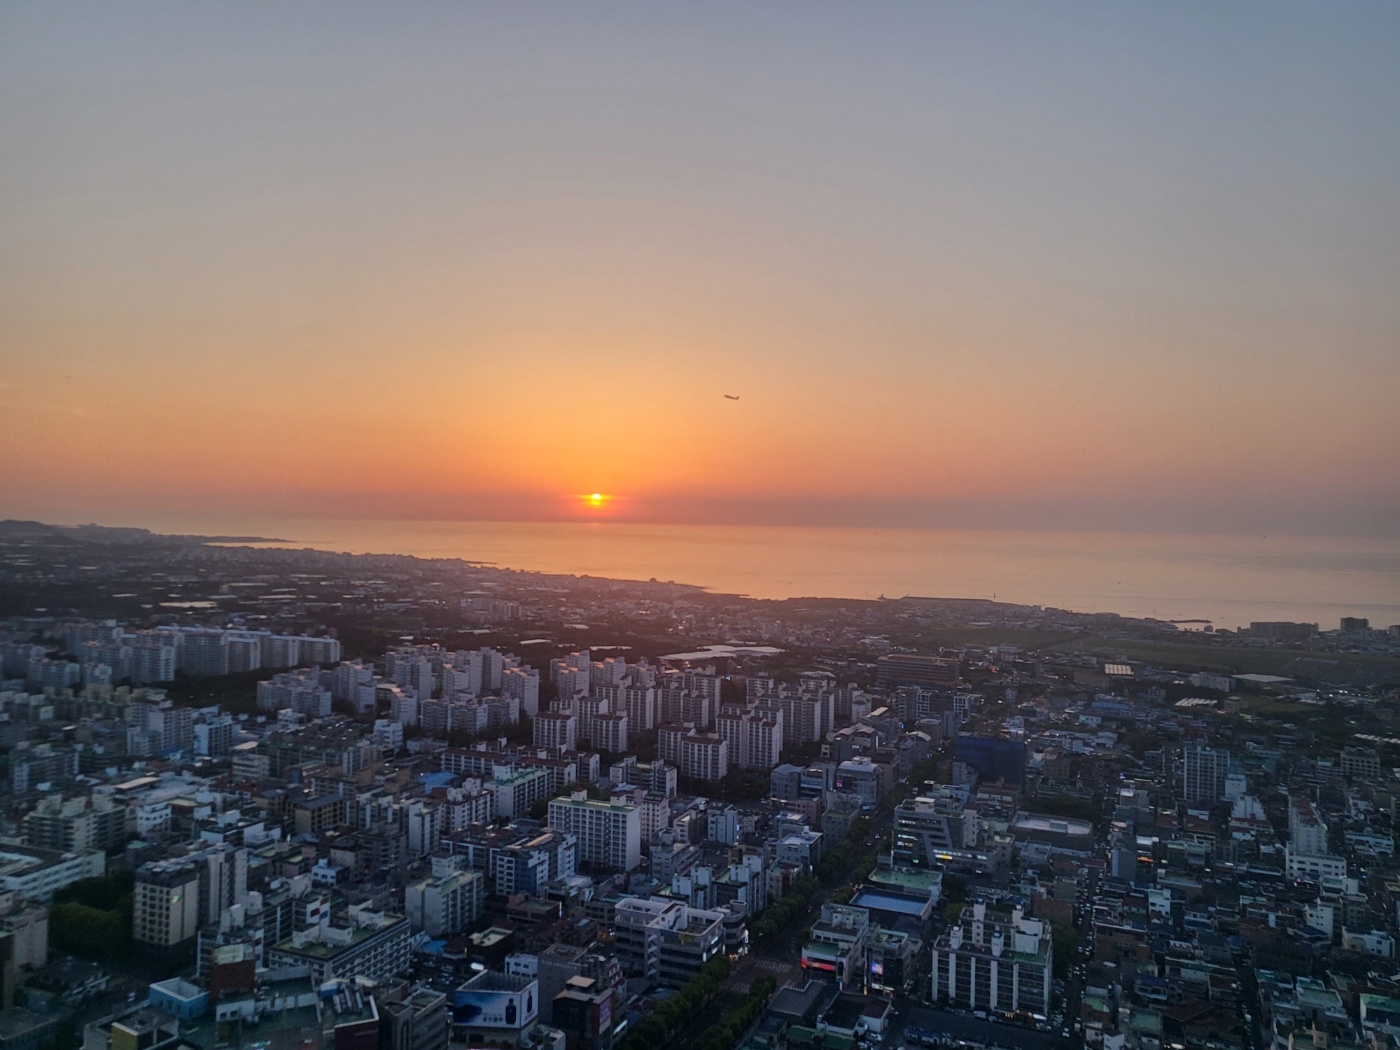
(165, 909)
(584, 1010)
(863, 778)
(26, 927)
(1313, 867)
(931, 829)
(1307, 832)
(529, 864)
(993, 758)
(173, 898)
(785, 781)
(1063, 833)
(214, 736)
(666, 940)
(37, 874)
(722, 825)
(413, 1018)
(659, 776)
(906, 669)
(495, 1009)
(1360, 763)
(837, 943)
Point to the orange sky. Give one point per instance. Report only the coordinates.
(959, 267)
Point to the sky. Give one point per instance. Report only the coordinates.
(1063, 266)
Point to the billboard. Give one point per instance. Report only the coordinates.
(495, 1008)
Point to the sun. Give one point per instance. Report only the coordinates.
(596, 499)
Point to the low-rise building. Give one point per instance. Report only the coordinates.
(366, 944)
(837, 944)
(666, 940)
(495, 1009)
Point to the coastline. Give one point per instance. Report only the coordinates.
(1227, 581)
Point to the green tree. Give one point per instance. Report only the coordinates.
(89, 933)
(1064, 940)
(92, 918)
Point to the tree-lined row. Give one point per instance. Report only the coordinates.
(678, 1010)
(727, 1033)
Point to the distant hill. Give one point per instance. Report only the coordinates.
(20, 530)
(12, 530)
(109, 534)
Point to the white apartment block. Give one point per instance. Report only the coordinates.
(516, 790)
(38, 875)
(701, 756)
(1313, 867)
(523, 684)
(608, 733)
(609, 833)
(446, 903)
(425, 819)
(556, 729)
(299, 691)
(1307, 832)
(995, 963)
(754, 735)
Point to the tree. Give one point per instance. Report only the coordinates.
(89, 933)
(105, 891)
(1063, 939)
(680, 1009)
(92, 918)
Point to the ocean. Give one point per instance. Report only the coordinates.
(1228, 580)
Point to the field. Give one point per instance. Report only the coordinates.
(1356, 668)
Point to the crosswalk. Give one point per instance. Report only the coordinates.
(776, 967)
(752, 968)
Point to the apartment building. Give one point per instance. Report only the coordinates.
(754, 735)
(447, 902)
(700, 756)
(609, 834)
(993, 961)
(364, 943)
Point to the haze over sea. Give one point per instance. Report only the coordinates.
(1229, 580)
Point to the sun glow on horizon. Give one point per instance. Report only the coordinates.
(596, 500)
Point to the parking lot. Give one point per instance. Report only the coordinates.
(960, 1028)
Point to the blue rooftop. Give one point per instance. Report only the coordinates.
(890, 902)
(436, 780)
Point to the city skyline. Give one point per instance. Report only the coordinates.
(990, 268)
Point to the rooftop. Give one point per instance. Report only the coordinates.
(890, 902)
